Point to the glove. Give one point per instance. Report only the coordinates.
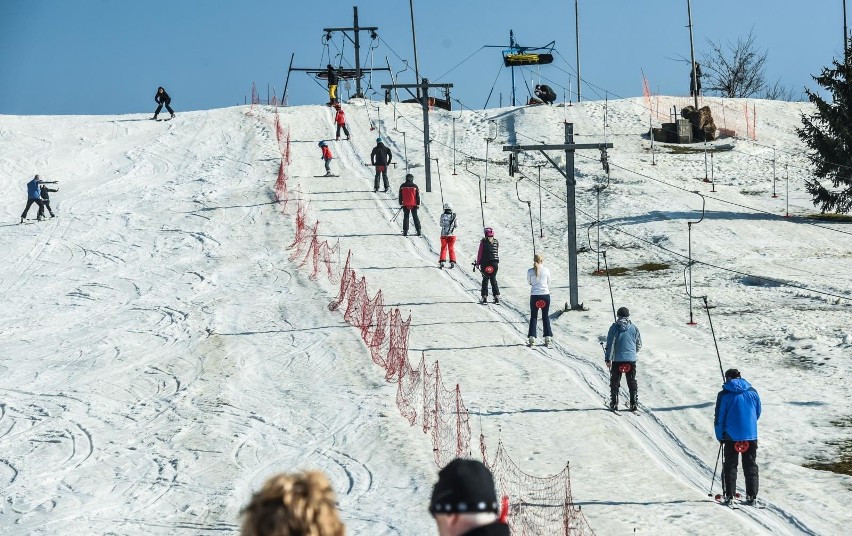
(608, 365)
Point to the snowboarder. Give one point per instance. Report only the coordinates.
(487, 260)
(409, 198)
(381, 158)
(695, 80)
(340, 120)
(34, 196)
(332, 84)
(448, 237)
(545, 93)
(539, 277)
(45, 198)
(162, 99)
(623, 342)
(735, 420)
(326, 157)
(464, 501)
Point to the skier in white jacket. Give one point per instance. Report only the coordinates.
(539, 278)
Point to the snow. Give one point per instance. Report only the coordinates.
(161, 357)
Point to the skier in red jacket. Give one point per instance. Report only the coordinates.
(340, 120)
(326, 157)
(409, 198)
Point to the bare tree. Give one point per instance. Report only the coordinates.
(736, 70)
(779, 92)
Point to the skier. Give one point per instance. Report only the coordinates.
(162, 99)
(332, 84)
(409, 198)
(735, 420)
(381, 158)
(695, 80)
(340, 119)
(464, 501)
(623, 341)
(448, 237)
(34, 196)
(487, 261)
(545, 93)
(538, 277)
(326, 157)
(45, 199)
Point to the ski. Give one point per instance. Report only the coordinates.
(326, 176)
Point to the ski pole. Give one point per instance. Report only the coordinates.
(713, 480)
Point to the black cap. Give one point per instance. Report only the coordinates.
(464, 487)
(622, 312)
(409, 177)
(732, 373)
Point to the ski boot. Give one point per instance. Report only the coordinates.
(441, 265)
(484, 300)
(613, 403)
(633, 401)
(172, 117)
(531, 341)
(547, 341)
(452, 264)
(496, 299)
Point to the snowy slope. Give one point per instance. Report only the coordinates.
(161, 356)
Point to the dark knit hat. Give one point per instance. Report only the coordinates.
(622, 312)
(732, 373)
(464, 487)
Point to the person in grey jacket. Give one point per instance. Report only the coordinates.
(623, 341)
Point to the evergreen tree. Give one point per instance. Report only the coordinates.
(828, 134)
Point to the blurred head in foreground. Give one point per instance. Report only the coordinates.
(300, 504)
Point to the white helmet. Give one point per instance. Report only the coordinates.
(448, 206)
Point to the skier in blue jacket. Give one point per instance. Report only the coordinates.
(737, 412)
(623, 341)
(34, 196)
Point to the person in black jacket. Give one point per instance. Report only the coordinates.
(695, 80)
(464, 501)
(45, 198)
(409, 198)
(381, 158)
(162, 99)
(332, 84)
(487, 260)
(545, 93)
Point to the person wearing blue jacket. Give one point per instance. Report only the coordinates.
(737, 412)
(34, 196)
(623, 342)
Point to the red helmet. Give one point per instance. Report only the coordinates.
(489, 231)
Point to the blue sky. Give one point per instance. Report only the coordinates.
(109, 56)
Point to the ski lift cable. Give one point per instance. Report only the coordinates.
(391, 49)
(493, 86)
(459, 63)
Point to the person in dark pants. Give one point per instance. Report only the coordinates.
(623, 342)
(695, 81)
(409, 198)
(545, 93)
(162, 99)
(34, 196)
(539, 278)
(381, 158)
(45, 199)
(735, 420)
(340, 120)
(332, 84)
(464, 501)
(487, 259)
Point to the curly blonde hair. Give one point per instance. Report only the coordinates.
(300, 504)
